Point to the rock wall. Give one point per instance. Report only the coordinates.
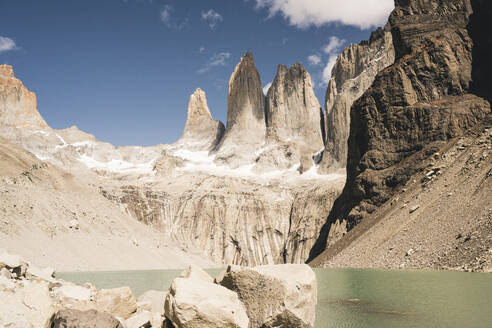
(417, 102)
(233, 220)
(201, 131)
(352, 75)
(18, 106)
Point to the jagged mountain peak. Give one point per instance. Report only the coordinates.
(18, 105)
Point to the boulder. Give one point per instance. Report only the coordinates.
(47, 274)
(140, 319)
(195, 272)
(74, 292)
(118, 301)
(83, 319)
(155, 299)
(197, 303)
(275, 295)
(8, 260)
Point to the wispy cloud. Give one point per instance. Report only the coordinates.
(7, 44)
(302, 14)
(201, 50)
(266, 88)
(212, 18)
(166, 18)
(332, 49)
(314, 60)
(219, 59)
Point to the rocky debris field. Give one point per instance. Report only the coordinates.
(265, 296)
(440, 219)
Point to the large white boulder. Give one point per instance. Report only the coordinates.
(195, 303)
(119, 301)
(280, 296)
(195, 272)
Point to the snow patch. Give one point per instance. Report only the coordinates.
(118, 166)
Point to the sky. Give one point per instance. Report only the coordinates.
(123, 70)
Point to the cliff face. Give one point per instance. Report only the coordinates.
(245, 126)
(18, 106)
(352, 75)
(292, 110)
(411, 108)
(232, 220)
(201, 130)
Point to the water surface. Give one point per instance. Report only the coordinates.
(349, 298)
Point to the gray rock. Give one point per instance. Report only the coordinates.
(83, 319)
(275, 296)
(293, 114)
(197, 303)
(245, 129)
(201, 131)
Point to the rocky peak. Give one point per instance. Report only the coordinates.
(354, 71)
(292, 110)
(245, 111)
(412, 108)
(201, 130)
(18, 106)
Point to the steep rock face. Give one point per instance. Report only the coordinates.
(293, 114)
(410, 108)
(201, 130)
(245, 129)
(232, 220)
(352, 75)
(18, 106)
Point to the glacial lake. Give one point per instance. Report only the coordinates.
(349, 298)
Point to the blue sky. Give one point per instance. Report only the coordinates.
(124, 70)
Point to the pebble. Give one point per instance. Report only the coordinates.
(414, 208)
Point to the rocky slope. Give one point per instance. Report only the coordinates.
(54, 218)
(352, 75)
(410, 111)
(251, 208)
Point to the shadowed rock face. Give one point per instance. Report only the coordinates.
(292, 110)
(422, 99)
(201, 130)
(245, 127)
(352, 75)
(18, 106)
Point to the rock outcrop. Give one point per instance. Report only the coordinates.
(282, 296)
(195, 302)
(293, 114)
(411, 108)
(201, 131)
(245, 128)
(69, 318)
(352, 75)
(18, 106)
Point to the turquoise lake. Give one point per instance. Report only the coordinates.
(349, 298)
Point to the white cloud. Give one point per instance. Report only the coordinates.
(314, 60)
(266, 88)
(7, 44)
(334, 45)
(201, 50)
(304, 13)
(216, 60)
(326, 76)
(166, 18)
(212, 18)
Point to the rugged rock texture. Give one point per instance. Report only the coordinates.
(198, 303)
(352, 75)
(282, 296)
(245, 129)
(18, 106)
(412, 106)
(201, 130)
(233, 220)
(83, 319)
(293, 114)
